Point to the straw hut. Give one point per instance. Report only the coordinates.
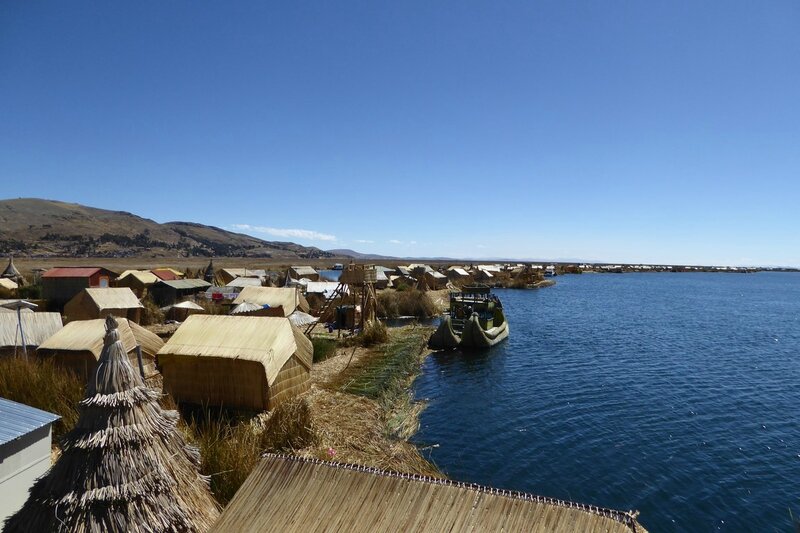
(226, 275)
(299, 272)
(236, 361)
(78, 346)
(37, 327)
(8, 288)
(455, 273)
(280, 301)
(168, 292)
(60, 285)
(99, 303)
(309, 495)
(125, 467)
(435, 280)
(11, 273)
(181, 311)
(139, 281)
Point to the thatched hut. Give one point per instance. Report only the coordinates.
(79, 345)
(11, 273)
(102, 302)
(169, 292)
(182, 310)
(303, 271)
(37, 327)
(139, 281)
(125, 467)
(280, 301)
(236, 361)
(309, 495)
(226, 275)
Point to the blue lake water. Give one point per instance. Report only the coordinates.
(674, 394)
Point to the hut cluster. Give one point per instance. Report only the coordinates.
(230, 337)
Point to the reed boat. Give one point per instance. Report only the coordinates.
(475, 321)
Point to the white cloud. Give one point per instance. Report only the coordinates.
(289, 233)
(364, 241)
(413, 242)
(395, 241)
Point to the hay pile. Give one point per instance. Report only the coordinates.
(124, 467)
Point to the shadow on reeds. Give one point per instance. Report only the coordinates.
(41, 384)
(231, 441)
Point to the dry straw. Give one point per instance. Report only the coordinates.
(124, 467)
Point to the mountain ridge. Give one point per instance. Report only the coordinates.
(50, 228)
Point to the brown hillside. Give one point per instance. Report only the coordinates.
(47, 228)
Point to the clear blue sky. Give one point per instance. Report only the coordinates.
(662, 132)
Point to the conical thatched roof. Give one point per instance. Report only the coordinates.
(124, 467)
(11, 271)
(208, 275)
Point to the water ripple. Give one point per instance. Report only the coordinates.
(675, 394)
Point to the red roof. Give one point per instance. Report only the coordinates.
(165, 274)
(71, 272)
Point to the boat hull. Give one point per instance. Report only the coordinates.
(473, 337)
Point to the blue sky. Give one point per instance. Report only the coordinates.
(662, 132)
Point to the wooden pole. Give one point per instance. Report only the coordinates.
(22, 333)
(139, 359)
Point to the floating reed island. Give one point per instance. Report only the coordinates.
(278, 362)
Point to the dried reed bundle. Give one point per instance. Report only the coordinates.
(124, 467)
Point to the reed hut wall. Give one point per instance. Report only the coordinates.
(244, 362)
(95, 303)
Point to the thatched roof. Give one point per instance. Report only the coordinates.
(286, 297)
(309, 495)
(304, 270)
(244, 282)
(87, 335)
(8, 284)
(270, 341)
(124, 467)
(37, 327)
(109, 298)
(11, 270)
(145, 277)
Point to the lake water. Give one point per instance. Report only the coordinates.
(674, 394)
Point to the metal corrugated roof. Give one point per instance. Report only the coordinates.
(71, 272)
(185, 283)
(17, 419)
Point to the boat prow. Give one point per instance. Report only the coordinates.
(475, 321)
(444, 338)
(475, 337)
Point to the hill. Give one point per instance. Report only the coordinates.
(357, 255)
(48, 228)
